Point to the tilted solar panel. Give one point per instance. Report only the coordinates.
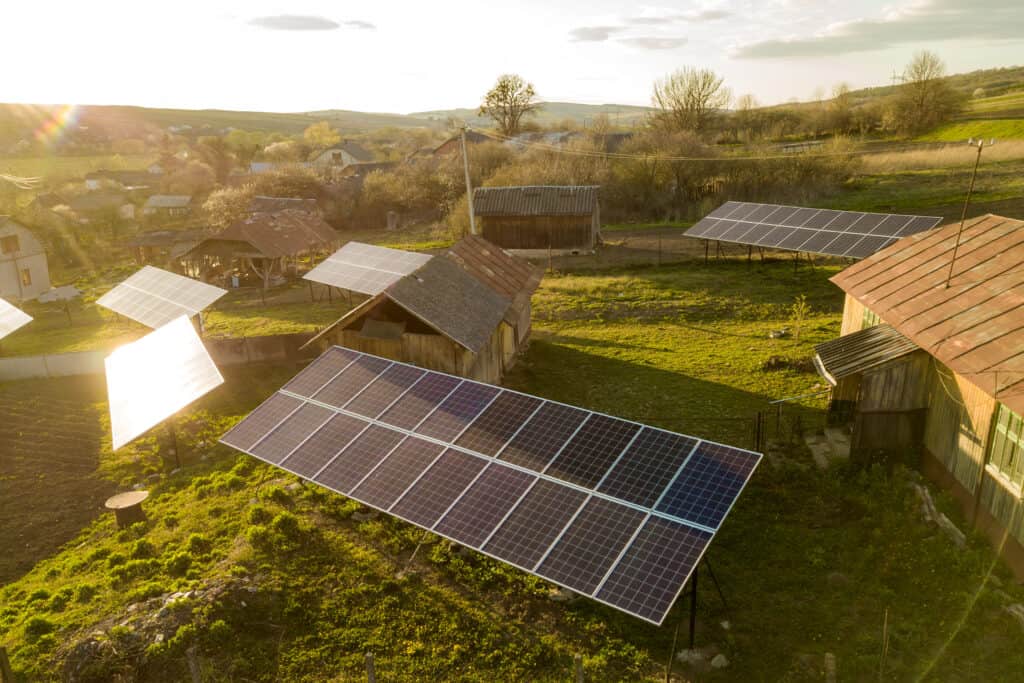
(155, 297)
(366, 268)
(11, 318)
(853, 234)
(609, 508)
(151, 379)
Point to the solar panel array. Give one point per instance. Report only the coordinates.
(155, 297)
(11, 318)
(823, 231)
(366, 268)
(609, 508)
(151, 379)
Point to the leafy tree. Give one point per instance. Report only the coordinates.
(225, 206)
(192, 178)
(690, 99)
(840, 109)
(245, 144)
(320, 135)
(216, 154)
(925, 99)
(509, 101)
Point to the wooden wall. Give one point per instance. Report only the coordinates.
(853, 316)
(540, 232)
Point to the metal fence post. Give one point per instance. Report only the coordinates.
(371, 675)
(578, 664)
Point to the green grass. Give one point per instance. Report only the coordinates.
(57, 168)
(628, 227)
(959, 131)
(811, 562)
(1008, 104)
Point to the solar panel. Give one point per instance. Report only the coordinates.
(853, 234)
(11, 318)
(155, 297)
(606, 507)
(366, 268)
(151, 379)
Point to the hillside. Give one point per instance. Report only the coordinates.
(549, 113)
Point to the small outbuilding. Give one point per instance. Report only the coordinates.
(931, 364)
(24, 272)
(264, 243)
(466, 313)
(539, 218)
(168, 205)
(341, 155)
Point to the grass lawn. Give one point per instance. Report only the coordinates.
(960, 131)
(297, 589)
(55, 168)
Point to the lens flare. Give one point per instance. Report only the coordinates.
(53, 127)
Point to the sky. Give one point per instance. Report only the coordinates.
(390, 56)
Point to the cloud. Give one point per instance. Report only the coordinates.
(654, 42)
(695, 16)
(362, 25)
(924, 21)
(592, 34)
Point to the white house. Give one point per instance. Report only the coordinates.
(341, 155)
(24, 273)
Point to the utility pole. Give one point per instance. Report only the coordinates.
(469, 186)
(970, 190)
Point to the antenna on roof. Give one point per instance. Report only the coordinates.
(980, 144)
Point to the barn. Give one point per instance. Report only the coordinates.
(930, 363)
(24, 272)
(539, 218)
(466, 312)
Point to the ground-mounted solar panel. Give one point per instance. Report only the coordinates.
(151, 379)
(366, 268)
(11, 318)
(155, 297)
(612, 509)
(854, 234)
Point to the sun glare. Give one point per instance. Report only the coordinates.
(151, 379)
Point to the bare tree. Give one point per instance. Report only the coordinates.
(840, 109)
(509, 101)
(925, 99)
(690, 98)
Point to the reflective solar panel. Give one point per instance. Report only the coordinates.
(603, 506)
(151, 379)
(366, 268)
(11, 318)
(155, 297)
(792, 228)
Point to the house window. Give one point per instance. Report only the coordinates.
(26, 277)
(870, 319)
(1007, 448)
(9, 244)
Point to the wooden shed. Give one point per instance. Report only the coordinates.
(539, 218)
(466, 313)
(940, 370)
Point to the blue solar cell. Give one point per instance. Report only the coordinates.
(498, 423)
(323, 445)
(590, 453)
(438, 488)
(260, 421)
(396, 473)
(321, 371)
(457, 411)
(358, 459)
(647, 466)
(417, 403)
(391, 384)
(656, 566)
(472, 519)
(280, 441)
(524, 537)
(543, 436)
(351, 381)
(590, 545)
(708, 485)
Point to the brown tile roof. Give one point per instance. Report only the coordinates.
(976, 326)
(510, 276)
(536, 200)
(860, 351)
(285, 233)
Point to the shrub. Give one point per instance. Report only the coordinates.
(40, 594)
(178, 563)
(199, 544)
(143, 549)
(259, 537)
(59, 601)
(258, 514)
(37, 627)
(219, 632)
(286, 524)
(275, 494)
(116, 559)
(85, 592)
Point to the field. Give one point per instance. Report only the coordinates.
(961, 131)
(55, 169)
(1002, 106)
(294, 585)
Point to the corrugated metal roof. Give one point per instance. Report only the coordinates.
(510, 276)
(284, 233)
(168, 201)
(536, 200)
(860, 351)
(452, 301)
(976, 326)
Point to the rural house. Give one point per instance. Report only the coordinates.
(466, 313)
(160, 247)
(167, 205)
(564, 219)
(341, 155)
(265, 244)
(24, 273)
(936, 370)
(264, 204)
(453, 145)
(100, 206)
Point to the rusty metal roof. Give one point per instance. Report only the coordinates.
(510, 276)
(285, 233)
(536, 200)
(860, 351)
(976, 326)
(263, 204)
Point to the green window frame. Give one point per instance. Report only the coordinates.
(1006, 455)
(869, 319)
